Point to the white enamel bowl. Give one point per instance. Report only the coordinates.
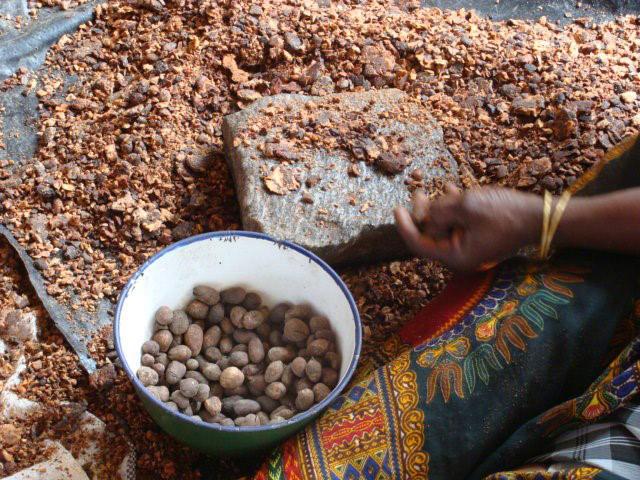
(278, 271)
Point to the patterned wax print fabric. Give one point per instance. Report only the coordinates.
(482, 380)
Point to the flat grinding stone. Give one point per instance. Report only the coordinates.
(351, 217)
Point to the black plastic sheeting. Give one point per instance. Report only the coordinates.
(561, 11)
(77, 326)
(27, 47)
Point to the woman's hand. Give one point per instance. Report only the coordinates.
(466, 231)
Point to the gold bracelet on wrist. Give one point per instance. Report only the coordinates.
(551, 221)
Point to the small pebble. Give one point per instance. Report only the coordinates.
(213, 405)
(256, 350)
(302, 312)
(192, 364)
(211, 337)
(236, 315)
(180, 400)
(280, 353)
(298, 366)
(245, 406)
(305, 399)
(320, 392)
(181, 353)
(213, 354)
(275, 390)
(274, 371)
(148, 376)
(197, 376)
(225, 345)
(295, 330)
(207, 295)
(180, 323)
(319, 323)
(329, 377)
(160, 368)
(163, 338)
(239, 359)
(277, 313)
(174, 372)
(313, 370)
(189, 387)
(197, 309)
(234, 295)
(252, 301)
(318, 347)
(193, 338)
(212, 372)
(164, 316)
(151, 347)
(216, 313)
(252, 320)
(231, 378)
(147, 360)
(160, 392)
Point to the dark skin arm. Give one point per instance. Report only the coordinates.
(468, 230)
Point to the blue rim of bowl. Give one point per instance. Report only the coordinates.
(298, 418)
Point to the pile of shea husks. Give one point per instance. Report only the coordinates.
(130, 156)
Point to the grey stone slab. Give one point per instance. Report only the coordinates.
(331, 227)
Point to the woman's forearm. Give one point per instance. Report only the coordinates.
(605, 222)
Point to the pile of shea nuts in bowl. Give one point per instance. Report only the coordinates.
(228, 359)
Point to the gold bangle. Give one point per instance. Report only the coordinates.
(546, 214)
(550, 228)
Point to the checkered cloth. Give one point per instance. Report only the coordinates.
(612, 446)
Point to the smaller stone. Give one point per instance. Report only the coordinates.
(274, 371)
(295, 330)
(245, 406)
(213, 405)
(293, 41)
(181, 353)
(189, 387)
(207, 295)
(231, 378)
(164, 316)
(629, 97)
(216, 313)
(252, 301)
(276, 390)
(212, 372)
(278, 312)
(203, 392)
(174, 372)
(253, 319)
(151, 347)
(313, 370)
(180, 323)
(163, 338)
(160, 392)
(298, 366)
(147, 360)
(198, 310)
(239, 358)
(192, 364)
(193, 338)
(320, 392)
(304, 399)
(233, 296)
(148, 376)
